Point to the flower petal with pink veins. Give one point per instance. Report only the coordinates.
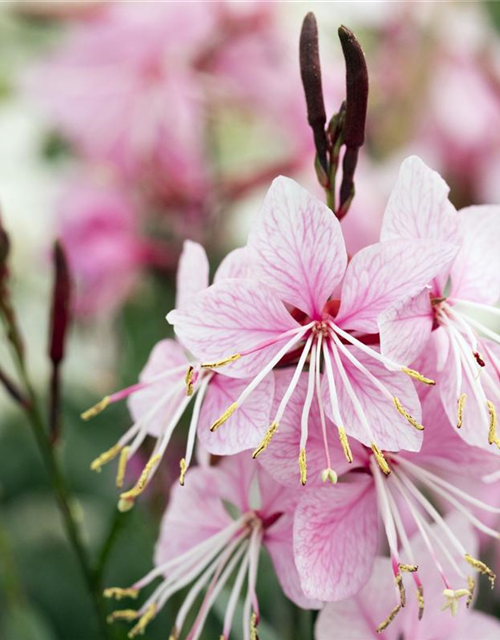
(475, 272)
(279, 543)
(419, 208)
(246, 427)
(234, 265)
(195, 512)
(280, 458)
(389, 430)
(406, 327)
(229, 317)
(296, 247)
(167, 354)
(383, 273)
(192, 272)
(335, 539)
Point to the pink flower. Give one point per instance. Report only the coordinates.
(465, 352)
(213, 528)
(169, 382)
(100, 233)
(336, 529)
(359, 617)
(285, 312)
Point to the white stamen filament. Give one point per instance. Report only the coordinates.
(320, 402)
(304, 421)
(358, 409)
(376, 355)
(385, 510)
(272, 363)
(480, 327)
(215, 543)
(331, 387)
(431, 479)
(294, 381)
(235, 596)
(218, 583)
(193, 425)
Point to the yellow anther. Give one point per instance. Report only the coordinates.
(96, 409)
(471, 584)
(482, 568)
(406, 415)
(225, 416)
(266, 440)
(184, 468)
(408, 568)
(189, 380)
(122, 467)
(418, 376)
(382, 462)
(253, 627)
(174, 634)
(398, 578)
(383, 625)
(106, 457)
(492, 435)
(460, 410)
(118, 593)
(329, 475)
(143, 480)
(345, 444)
(420, 601)
(122, 614)
(303, 467)
(221, 363)
(144, 620)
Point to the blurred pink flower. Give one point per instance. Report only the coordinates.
(100, 233)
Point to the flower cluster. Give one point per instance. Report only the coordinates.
(349, 404)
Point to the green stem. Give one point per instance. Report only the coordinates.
(117, 522)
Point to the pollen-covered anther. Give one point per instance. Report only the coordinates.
(406, 415)
(482, 568)
(266, 440)
(225, 416)
(143, 480)
(254, 621)
(174, 634)
(118, 593)
(123, 614)
(96, 409)
(420, 601)
(144, 620)
(383, 625)
(471, 584)
(418, 376)
(345, 444)
(183, 467)
(398, 578)
(460, 409)
(105, 457)
(303, 467)
(189, 380)
(379, 456)
(452, 597)
(122, 467)
(329, 475)
(221, 363)
(492, 434)
(407, 568)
